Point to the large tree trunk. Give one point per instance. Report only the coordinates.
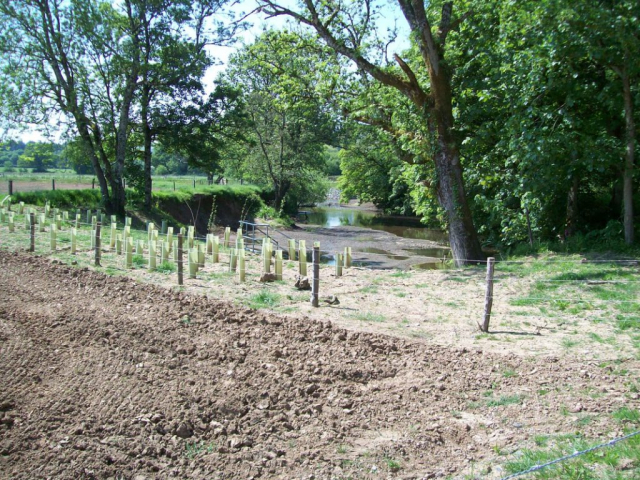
(451, 196)
(572, 207)
(463, 238)
(147, 134)
(629, 159)
(83, 130)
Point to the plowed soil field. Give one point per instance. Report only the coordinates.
(102, 377)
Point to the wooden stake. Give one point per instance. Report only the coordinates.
(339, 261)
(32, 230)
(98, 245)
(179, 259)
(488, 298)
(315, 286)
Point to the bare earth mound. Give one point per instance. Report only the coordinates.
(102, 377)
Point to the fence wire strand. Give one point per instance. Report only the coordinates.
(535, 468)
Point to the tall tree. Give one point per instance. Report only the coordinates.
(77, 61)
(174, 59)
(288, 126)
(347, 28)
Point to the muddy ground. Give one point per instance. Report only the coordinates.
(103, 377)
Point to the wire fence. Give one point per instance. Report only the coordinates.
(15, 234)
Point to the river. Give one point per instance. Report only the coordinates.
(427, 256)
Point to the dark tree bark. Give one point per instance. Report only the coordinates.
(627, 185)
(148, 139)
(572, 207)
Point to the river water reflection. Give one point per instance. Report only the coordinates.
(406, 227)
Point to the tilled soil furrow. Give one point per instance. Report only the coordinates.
(103, 378)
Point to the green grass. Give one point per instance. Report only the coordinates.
(392, 464)
(618, 462)
(264, 299)
(193, 449)
(401, 274)
(627, 415)
(369, 317)
(138, 260)
(167, 267)
(369, 289)
(505, 400)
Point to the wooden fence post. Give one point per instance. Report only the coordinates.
(488, 299)
(179, 253)
(98, 244)
(93, 183)
(53, 184)
(32, 229)
(316, 276)
(10, 187)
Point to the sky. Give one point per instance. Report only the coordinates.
(390, 16)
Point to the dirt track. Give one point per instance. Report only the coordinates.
(101, 377)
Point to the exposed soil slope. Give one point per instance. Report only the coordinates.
(101, 377)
